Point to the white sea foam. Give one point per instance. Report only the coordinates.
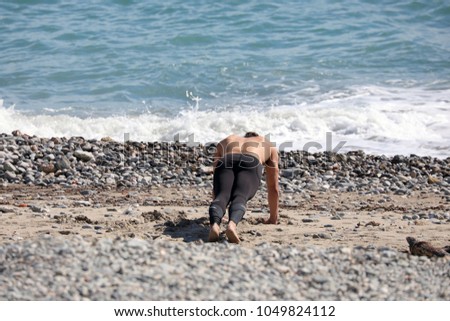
(374, 119)
(61, 110)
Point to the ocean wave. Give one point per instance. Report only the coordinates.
(375, 119)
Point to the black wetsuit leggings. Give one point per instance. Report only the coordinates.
(236, 179)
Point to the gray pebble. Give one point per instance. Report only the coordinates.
(38, 209)
(8, 167)
(5, 209)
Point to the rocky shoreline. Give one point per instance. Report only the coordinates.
(76, 161)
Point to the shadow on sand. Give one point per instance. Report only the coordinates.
(190, 230)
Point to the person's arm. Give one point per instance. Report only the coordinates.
(273, 189)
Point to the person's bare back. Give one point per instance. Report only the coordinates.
(254, 145)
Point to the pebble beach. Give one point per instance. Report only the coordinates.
(106, 220)
(110, 113)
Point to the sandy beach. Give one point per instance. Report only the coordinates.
(327, 219)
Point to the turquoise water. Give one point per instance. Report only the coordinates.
(375, 73)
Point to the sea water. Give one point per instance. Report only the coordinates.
(374, 75)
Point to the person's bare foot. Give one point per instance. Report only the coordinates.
(232, 233)
(214, 233)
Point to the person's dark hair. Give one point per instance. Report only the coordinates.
(251, 134)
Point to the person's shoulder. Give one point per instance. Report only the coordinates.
(230, 138)
(224, 142)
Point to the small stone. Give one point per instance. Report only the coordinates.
(38, 209)
(433, 180)
(320, 279)
(87, 192)
(153, 200)
(346, 250)
(283, 269)
(129, 211)
(7, 210)
(62, 163)
(206, 170)
(87, 147)
(321, 236)
(10, 175)
(17, 133)
(83, 155)
(47, 168)
(136, 243)
(82, 203)
(110, 181)
(290, 172)
(304, 271)
(8, 167)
